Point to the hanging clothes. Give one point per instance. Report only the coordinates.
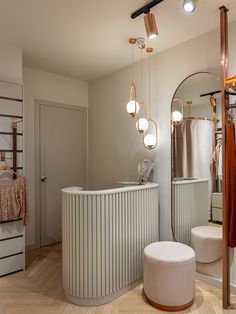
(13, 200)
(217, 157)
(230, 188)
(193, 147)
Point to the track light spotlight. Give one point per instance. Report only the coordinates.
(149, 18)
(150, 25)
(189, 5)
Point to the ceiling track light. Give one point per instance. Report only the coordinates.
(189, 6)
(150, 25)
(149, 18)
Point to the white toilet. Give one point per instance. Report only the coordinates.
(207, 244)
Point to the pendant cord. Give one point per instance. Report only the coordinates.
(132, 63)
(149, 85)
(142, 73)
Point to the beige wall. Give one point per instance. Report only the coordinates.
(115, 146)
(50, 87)
(10, 64)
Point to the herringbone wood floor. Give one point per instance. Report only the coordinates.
(38, 290)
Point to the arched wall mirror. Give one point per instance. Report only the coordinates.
(196, 155)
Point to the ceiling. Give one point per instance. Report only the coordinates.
(88, 39)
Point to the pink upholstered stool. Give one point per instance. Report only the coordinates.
(169, 275)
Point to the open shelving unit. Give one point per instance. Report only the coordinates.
(12, 232)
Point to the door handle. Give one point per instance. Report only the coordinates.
(43, 178)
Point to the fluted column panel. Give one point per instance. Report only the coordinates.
(104, 236)
(190, 201)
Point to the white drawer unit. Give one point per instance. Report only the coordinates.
(217, 214)
(216, 200)
(216, 203)
(12, 264)
(12, 247)
(11, 229)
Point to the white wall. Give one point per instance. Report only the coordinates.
(10, 64)
(115, 146)
(51, 87)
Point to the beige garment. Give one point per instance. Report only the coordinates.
(13, 200)
(217, 157)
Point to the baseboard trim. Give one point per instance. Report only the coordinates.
(214, 282)
(31, 247)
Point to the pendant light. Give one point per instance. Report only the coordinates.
(177, 116)
(150, 139)
(142, 123)
(133, 106)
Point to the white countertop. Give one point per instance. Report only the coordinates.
(188, 180)
(79, 190)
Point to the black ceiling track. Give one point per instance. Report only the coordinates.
(145, 9)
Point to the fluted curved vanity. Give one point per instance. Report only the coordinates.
(103, 237)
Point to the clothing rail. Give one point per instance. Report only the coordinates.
(10, 115)
(9, 221)
(10, 98)
(211, 93)
(10, 151)
(10, 133)
(230, 106)
(198, 118)
(230, 93)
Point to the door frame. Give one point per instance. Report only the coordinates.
(38, 103)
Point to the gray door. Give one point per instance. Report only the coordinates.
(62, 162)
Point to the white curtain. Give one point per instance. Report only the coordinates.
(193, 146)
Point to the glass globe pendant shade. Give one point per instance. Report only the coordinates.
(133, 108)
(150, 141)
(177, 117)
(142, 125)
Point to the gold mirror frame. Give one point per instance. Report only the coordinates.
(171, 148)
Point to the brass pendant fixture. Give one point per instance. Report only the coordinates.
(177, 115)
(139, 110)
(133, 106)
